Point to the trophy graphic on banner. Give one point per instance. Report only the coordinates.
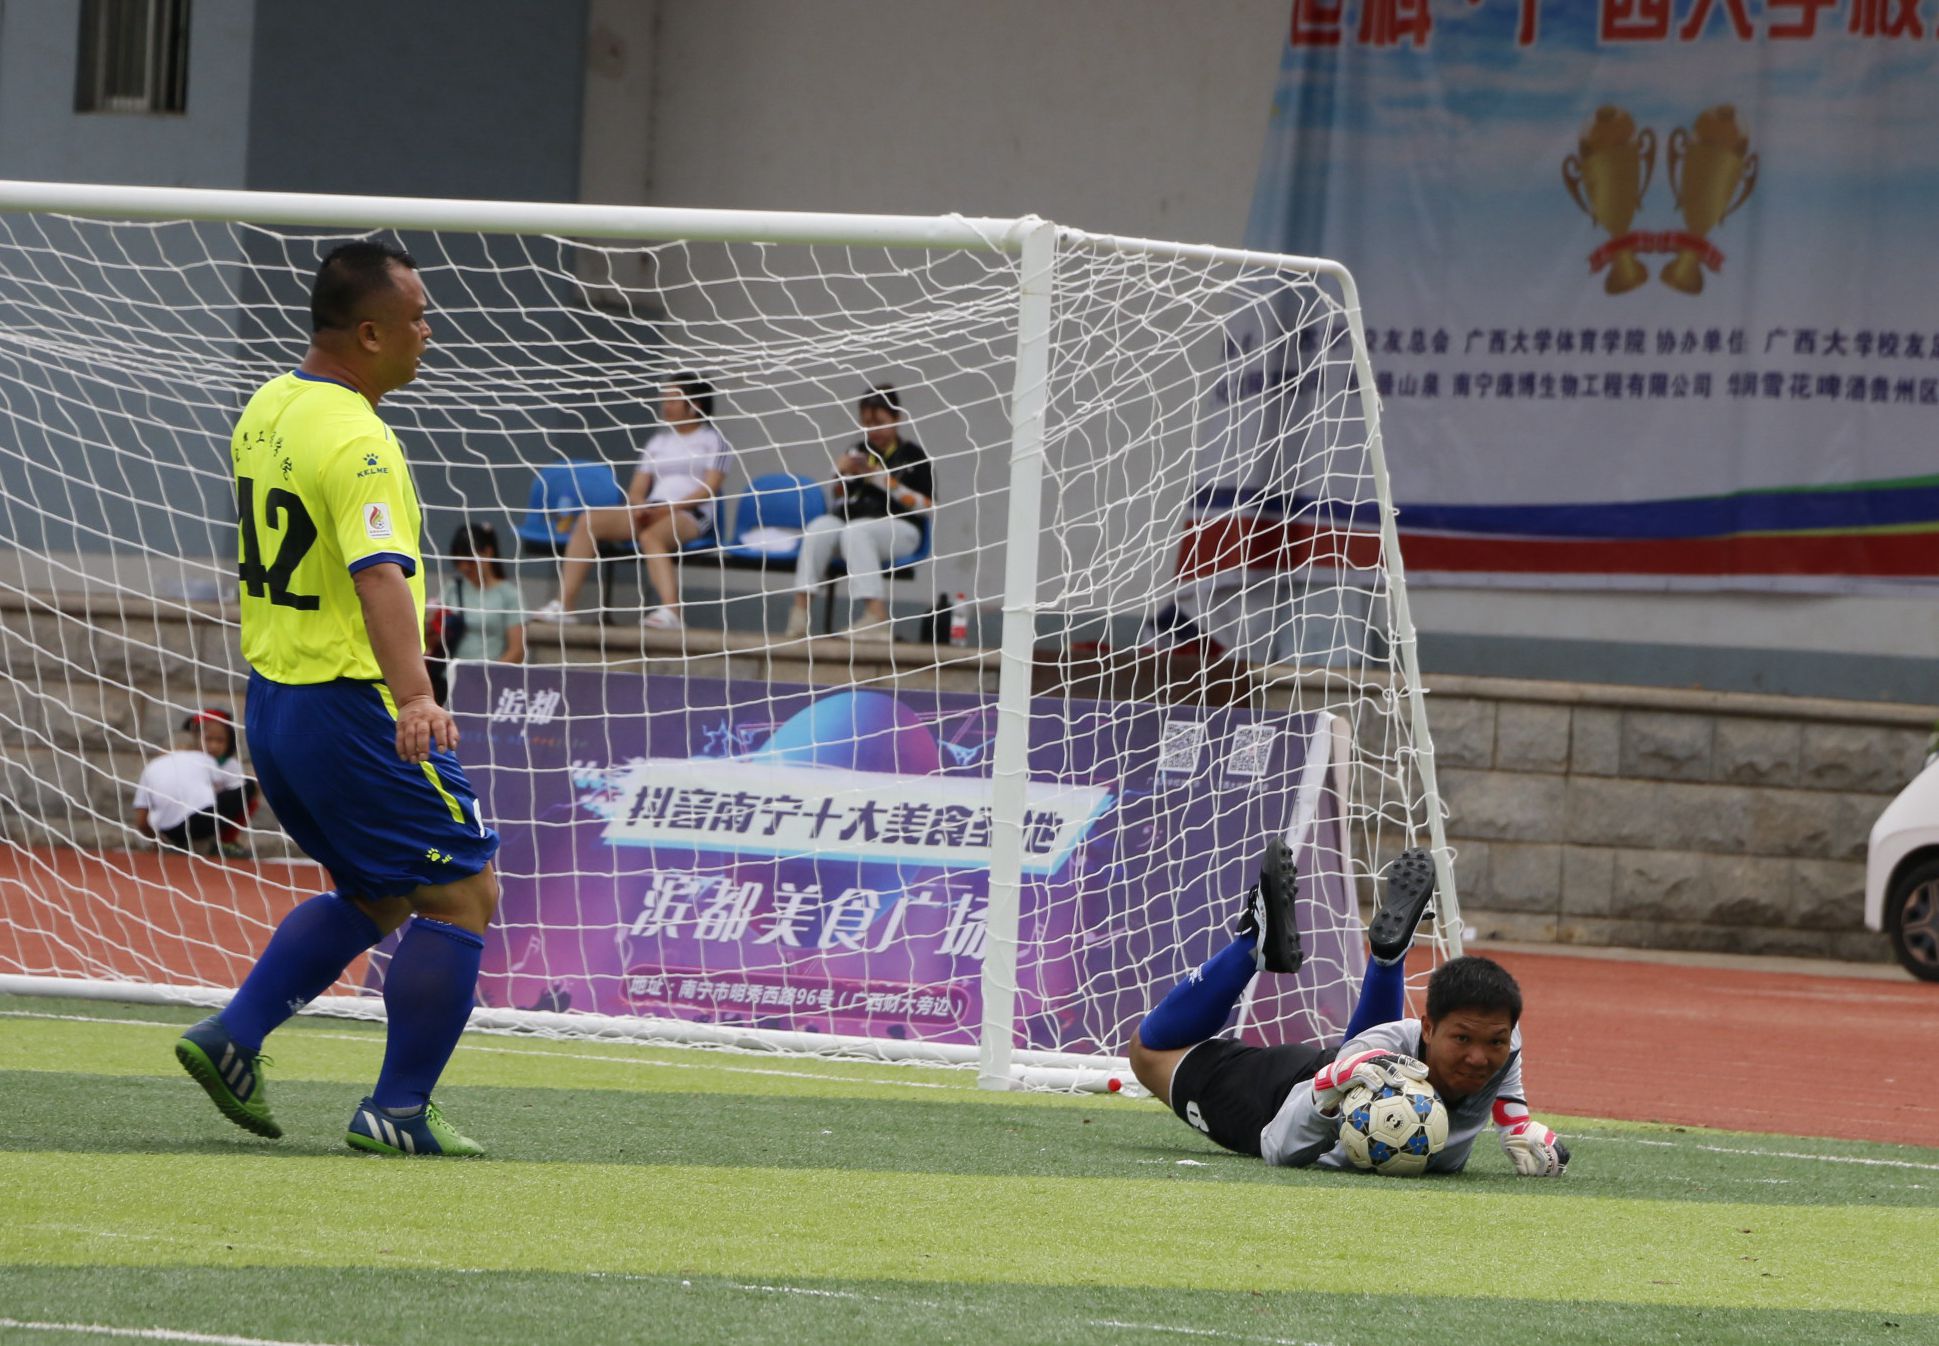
(1710, 175)
(1608, 178)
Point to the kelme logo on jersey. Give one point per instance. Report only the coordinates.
(371, 469)
(377, 525)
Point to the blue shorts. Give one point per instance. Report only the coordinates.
(326, 755)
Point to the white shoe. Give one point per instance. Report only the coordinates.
(797, 623)
(553, 611)
(664, 619)
(865, 627)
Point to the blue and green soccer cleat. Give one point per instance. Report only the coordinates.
(426, 1133)
(231, 1073)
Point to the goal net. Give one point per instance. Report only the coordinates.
(1142, 612)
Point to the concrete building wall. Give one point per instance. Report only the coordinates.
(1133, 118)
(42, 137)
(112, 441)
(418, 98)
(1137, 117)
(133, 348)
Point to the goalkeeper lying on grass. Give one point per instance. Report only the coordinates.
(1283, 1103)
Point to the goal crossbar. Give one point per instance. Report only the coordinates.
(582, 220)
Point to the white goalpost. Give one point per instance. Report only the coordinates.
(1155, 614)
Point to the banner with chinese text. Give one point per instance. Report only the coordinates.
(816, 859)
(1648, 283)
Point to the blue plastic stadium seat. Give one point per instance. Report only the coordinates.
(561, 492)
(773, 500)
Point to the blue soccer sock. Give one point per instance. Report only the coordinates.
(1383, 997)
(1198, 1007)
(310, 949)
(427, 998)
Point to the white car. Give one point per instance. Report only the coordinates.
(1902, 874)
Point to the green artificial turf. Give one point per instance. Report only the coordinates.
(370, 1305)
(661, 1194)
(1098, 1137)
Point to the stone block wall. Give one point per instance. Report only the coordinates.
(89, 691)
(1651, 818)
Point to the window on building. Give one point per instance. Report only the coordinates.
(134, 56)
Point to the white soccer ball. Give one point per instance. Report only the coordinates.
(1393, 1130)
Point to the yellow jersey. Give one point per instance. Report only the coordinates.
(322, 490)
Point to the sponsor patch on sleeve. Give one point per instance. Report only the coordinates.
(377, 525)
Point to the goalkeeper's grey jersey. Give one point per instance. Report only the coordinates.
(1299, 1134)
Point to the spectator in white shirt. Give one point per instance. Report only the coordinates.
(197, 798)
(670, 503)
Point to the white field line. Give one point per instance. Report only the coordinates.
(806, 1291)
(1197, 1332)
(90, 1232)
(88, 1019)
(1129, 1091)
(1117, 1324)
(148, 1333)
(696, 1065)
(529, 1051)
(815, 1292)
(1600, 1137)
(196, 1242)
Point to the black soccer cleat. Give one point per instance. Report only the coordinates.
(1408, 891)
(1268, 914)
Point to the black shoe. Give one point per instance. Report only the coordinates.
(1408, 890)
(1268, 914)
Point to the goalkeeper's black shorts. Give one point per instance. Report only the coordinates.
(1230, 1090)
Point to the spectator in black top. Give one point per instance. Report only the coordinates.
(883, 494)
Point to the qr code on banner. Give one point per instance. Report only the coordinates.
(1179, 747)
(1251, 750)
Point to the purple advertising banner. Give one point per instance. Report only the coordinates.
(816, 859)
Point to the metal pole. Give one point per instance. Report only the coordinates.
(102, 201)
(1010, 764)
(1447, 906)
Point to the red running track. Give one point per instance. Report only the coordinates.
(1784, 1052)
(143, 915)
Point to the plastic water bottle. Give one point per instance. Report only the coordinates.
(959, 620)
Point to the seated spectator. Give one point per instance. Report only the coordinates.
(485, 606)
(195, 798)
(882, 489)
(670, 503)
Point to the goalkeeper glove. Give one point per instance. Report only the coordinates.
(1372, 1069)
(1535, 1151)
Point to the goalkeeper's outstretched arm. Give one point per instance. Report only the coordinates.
(1534, 1150)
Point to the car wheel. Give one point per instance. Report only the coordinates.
(1912, 919)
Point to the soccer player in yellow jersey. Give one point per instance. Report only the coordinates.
(352, 751)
